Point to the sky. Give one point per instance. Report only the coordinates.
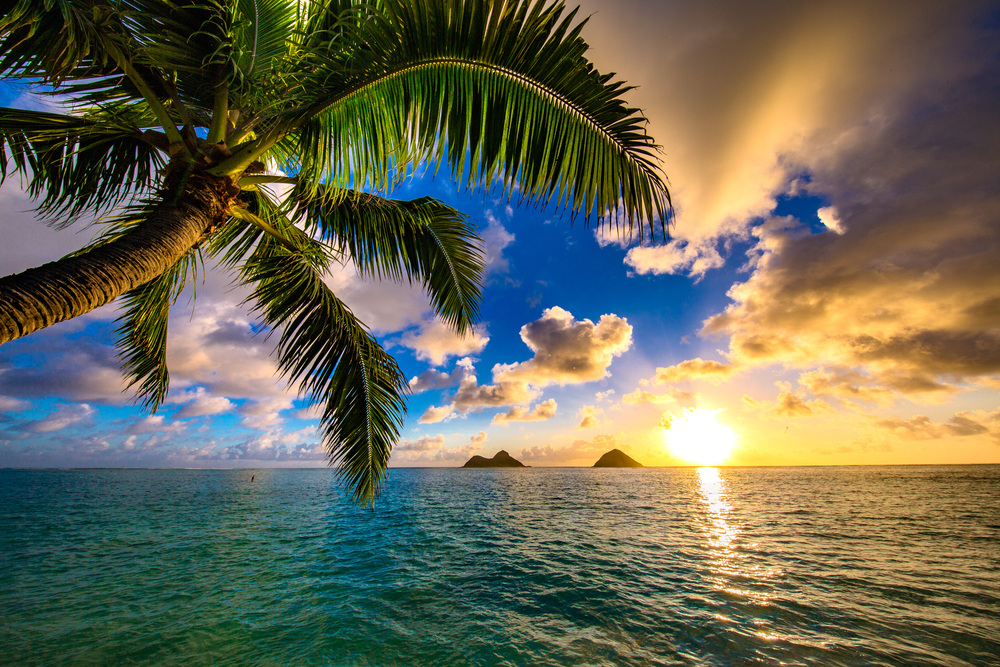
(831, 295)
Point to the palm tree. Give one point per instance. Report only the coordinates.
(188, 114)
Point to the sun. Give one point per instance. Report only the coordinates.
(697, 437)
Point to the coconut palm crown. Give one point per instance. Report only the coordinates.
(188, 115)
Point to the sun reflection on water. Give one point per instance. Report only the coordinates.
(721, 534)
(731, 568)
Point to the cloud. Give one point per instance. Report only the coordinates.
(471, 396)
(433, 414)
(200, 403)
(588, 415)
(580, 452)
(495, 238)
(746, 97)
(28, 241)
(694, 369)
(423, 444)
(642, 397)
(10, 404)
(384, 306)
(154, 424)
(961, 424)
(302, 435)
(61, 418)
(479, 438)
(265, 414)
(901, 290)
(49, 364)
(791, 405)
(431, 451)
(541, 412)
(694, 259)
(430, 379)
(436, 342)
(567, 351)
(845, 384)
(828, 216)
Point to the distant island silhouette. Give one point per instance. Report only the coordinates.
(616, 458)
(501, 460)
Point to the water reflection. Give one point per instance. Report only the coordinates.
(731, 568)
(721, 534)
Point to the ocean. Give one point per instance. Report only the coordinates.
(536, 566)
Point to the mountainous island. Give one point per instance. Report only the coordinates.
(616, 458)
(501, 460)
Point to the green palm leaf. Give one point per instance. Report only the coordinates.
(141, 336)
(422, 239)
(335, 362)
(54, 40)
(76, 165)
(501, 90)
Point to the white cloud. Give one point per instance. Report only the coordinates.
(495, 239)
(11, 404)
(541, 412)
(828, 216)
(384, 306)
(62, 417)
(423, 444)
(157, 424)
(680, 256)
(433, 415)
(200, 403)
(567, 351)
(436, 342)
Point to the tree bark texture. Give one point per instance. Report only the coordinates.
(72, 286)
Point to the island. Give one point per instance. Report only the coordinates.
(501, 460)
(616, 458)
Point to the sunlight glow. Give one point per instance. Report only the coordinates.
(697, 437)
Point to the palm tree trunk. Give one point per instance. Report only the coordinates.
(72, 286)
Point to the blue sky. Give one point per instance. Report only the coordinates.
(830, 296)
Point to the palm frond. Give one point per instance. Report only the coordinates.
(261, 34)
(141, 336)
(421, 240)
(498, 89)
(74, 165)
(52, 40)
(238, 237)
(335, 362)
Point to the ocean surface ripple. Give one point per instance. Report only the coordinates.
(657, 566)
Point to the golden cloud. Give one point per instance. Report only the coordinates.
(694, 369)
(541, 412)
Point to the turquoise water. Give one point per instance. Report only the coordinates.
(853, 566)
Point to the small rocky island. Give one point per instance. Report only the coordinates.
(501, 460)
(616, 458)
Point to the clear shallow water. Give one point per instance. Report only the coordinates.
(888, 565)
